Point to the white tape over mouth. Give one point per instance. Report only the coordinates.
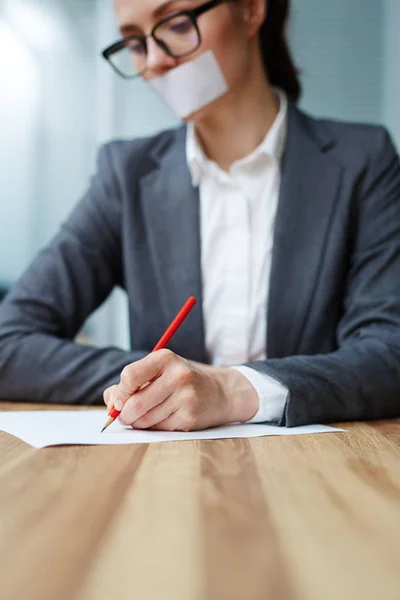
(191, 86)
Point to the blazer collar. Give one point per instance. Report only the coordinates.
(310, 182)
(171, 212)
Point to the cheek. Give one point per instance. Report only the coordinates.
(230, 49)
(232, 59)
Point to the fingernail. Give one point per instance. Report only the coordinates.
(111, 408)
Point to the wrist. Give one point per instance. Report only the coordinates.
(241, 398)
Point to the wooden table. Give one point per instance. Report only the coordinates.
(305, 517)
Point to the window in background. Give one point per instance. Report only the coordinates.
(46, 118)
(19, 112)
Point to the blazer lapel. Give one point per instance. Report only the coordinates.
(171, 212)
(309, 187)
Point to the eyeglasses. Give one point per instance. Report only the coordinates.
(178, 35)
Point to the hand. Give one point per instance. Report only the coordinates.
(180, 395)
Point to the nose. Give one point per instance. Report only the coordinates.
(158, 61)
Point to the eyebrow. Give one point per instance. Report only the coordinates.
(129, 28)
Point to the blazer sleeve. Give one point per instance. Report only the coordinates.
(39, 318)
(361, 379)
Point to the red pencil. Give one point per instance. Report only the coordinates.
(176, 323)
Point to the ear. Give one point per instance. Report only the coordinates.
(254, 15)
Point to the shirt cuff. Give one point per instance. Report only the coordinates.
(271, 393)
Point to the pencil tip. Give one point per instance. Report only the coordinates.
(108, 423)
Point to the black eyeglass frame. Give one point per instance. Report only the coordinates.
(193, 15)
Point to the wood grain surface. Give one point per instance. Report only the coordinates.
(304, 517)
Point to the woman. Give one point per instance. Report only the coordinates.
(251, 206)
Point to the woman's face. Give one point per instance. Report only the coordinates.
(224, 30)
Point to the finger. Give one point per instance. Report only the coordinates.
(183, 419)
(156, 415)
(140, 372)
(117, 398)
(169, 424)
(145, 400)
(114, 393)
(108, 395)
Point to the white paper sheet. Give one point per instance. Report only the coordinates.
(53, 428)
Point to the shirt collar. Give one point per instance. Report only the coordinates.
(272, 145)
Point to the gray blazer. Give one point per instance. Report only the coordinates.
(334, 302)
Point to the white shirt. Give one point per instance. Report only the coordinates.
(238, 210)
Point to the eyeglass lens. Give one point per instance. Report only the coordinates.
(178, 35)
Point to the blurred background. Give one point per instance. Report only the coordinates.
(59, 101)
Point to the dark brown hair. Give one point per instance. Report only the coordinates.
(276, 55)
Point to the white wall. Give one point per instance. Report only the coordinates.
(67, 136)
(349, 55)
(339, 49)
